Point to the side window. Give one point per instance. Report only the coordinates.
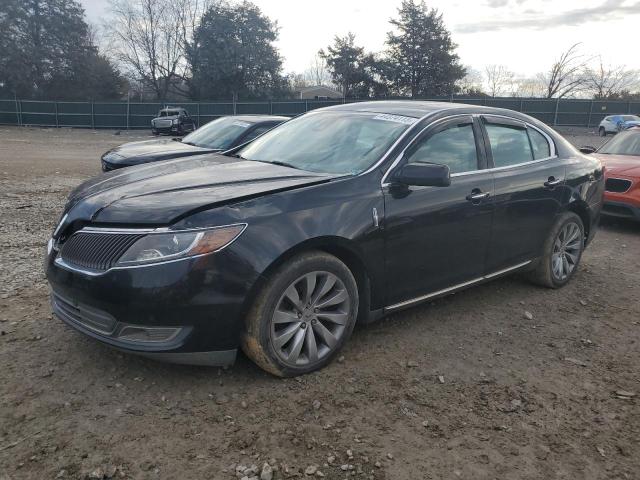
(541, 148)
(256, 133)
(454, 146)
(509, 145)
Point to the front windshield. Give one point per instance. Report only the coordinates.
(218, 134)
(330, 141)
(625, 143)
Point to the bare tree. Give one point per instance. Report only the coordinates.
(499, 79)
(149, 38)
(566, 75)
(471, 83)
(529, 88)
(318, 73)
(609, 82)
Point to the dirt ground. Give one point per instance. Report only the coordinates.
(502, 381)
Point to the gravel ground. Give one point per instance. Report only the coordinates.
(505, 380)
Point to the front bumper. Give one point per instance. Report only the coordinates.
(173, 129)
(183, 311)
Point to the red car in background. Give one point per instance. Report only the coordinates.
(621, 159)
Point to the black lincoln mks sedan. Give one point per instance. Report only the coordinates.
(339, 216)
(216, 136)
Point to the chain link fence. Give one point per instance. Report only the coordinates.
(130, 115)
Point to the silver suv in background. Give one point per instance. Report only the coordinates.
(617, 123)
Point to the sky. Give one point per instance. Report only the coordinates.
(524, 35)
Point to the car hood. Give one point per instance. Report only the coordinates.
(628, 165)
(162, 193)
(146, 150)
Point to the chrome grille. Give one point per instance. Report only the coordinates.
(617, 185)
(88, 317)
(162, 123)
(96, 251)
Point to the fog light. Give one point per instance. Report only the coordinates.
(139, 334)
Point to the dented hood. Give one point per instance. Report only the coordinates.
(161, 193)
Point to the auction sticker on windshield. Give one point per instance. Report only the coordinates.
(396, 118)
(238, 123)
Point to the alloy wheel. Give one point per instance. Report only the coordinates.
(566, 251)
(310, 318)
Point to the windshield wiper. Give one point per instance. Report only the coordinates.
(189, 143)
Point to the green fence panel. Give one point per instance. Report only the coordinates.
(110, 108)
(574, 106)
(150, 109)
(510, 103)
(74, 120)
(258, 108)
(122, 115)
(110, 121)
(74, 107)
(289, 108)
(216, 109)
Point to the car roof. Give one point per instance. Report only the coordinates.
(260, 118)
(409, 108)
(420, 108)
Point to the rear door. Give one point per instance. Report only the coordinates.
(529, 188)
(437, 237)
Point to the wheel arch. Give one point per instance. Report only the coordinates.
(581, 209)
(341, 248)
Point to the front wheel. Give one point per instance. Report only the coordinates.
(303, 315)
(562, 252)
(602, 132)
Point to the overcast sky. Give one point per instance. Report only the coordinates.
(525, 35)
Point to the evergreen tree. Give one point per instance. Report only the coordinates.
(422, 52)
(46, 52)
(349, 65)
(232, 54)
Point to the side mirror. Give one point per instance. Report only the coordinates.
(587, 149)
(423, 175)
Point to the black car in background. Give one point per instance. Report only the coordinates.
(341, 215)
(218, 135)
(173, 121)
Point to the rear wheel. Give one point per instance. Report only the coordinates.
(303, 315)
(562, 252)
(602, 132)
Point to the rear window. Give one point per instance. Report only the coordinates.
(540, 145)
(509, 145)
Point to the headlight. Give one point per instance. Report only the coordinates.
(175, 121)
(112, 157)
(160, 247)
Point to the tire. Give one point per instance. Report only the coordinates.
(602, 132)
(562, 252)
(155, 132)
(277, 334)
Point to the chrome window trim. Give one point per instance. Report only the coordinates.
(401, 154)
(552, 148)
(412, 301)
(404, 135)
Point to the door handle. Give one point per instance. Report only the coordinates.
(476, 196)
(552, 182)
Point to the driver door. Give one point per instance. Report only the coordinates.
(438, 237)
